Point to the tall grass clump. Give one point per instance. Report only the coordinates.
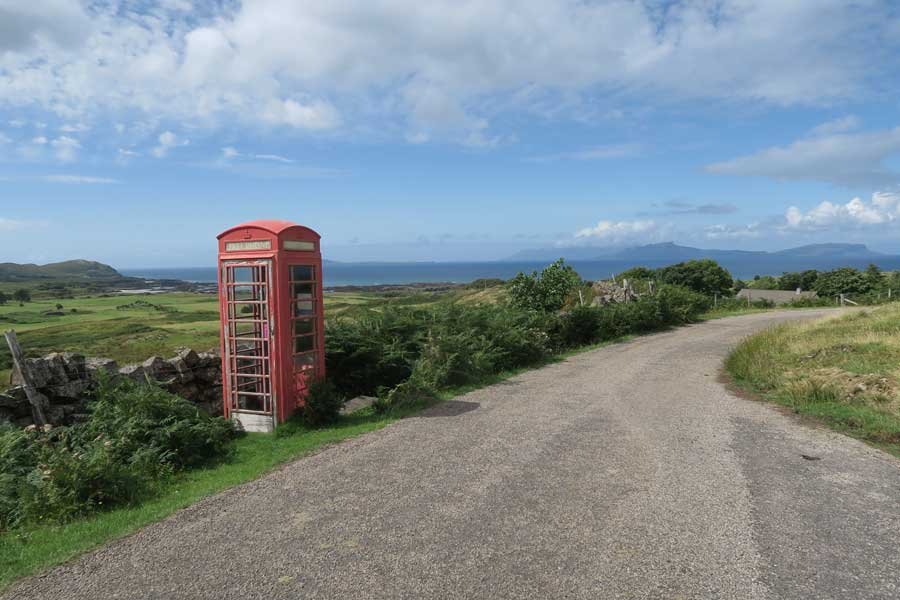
(840, 370)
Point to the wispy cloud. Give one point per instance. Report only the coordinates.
(610, 152)
(11, 224)
(681, 207)
(66, 148)
(839, 158)
(167, 141)
(273, 157)
(77, 179)
(230, 153)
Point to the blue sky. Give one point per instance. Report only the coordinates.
(133, 132)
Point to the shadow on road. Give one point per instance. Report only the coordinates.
(450, 408)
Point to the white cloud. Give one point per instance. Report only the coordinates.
(615, 232)
(228, 152)
(314, 115)
(77, 179)
(167, 141)
(839, 158)
(65, 148)
(732, 232)
(431, 69)
(884, 208)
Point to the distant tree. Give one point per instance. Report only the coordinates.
(845, 280)
(705, 276)
(22, 295)
(805, 280)
(790, 281)
(544, 291)
(764, 282)
(59, 307)
(739, 284)
(893, 283)
(808, 279)
(637, 273)
(874, 276)
(3, 298)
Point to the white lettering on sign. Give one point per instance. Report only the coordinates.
(254, 245)
(298, 245)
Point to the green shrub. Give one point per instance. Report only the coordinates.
(705, 276)
(810, 302)
(136, 436)
(138, 417)
(412, 393)
(375, 351)
(323, 404)
(679, 305)
(547, 290)
(581, 326)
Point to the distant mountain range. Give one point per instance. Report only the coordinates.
(670, 251)
(742, 263)
(87, 270)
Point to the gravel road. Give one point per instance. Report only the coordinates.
(625, 472)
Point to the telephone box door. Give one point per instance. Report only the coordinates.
(248, 344)
(305, 327)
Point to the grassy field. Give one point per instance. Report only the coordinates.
(844, 371)
(131, 328)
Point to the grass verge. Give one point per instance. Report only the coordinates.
(26, 551)
(844, 371)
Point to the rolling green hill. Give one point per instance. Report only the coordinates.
(70, 270)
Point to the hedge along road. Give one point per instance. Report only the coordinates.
(624, 472)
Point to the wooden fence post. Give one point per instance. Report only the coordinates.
(35, 398)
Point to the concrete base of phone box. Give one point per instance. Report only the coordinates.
(254, 422)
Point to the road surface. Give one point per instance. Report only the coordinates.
(625, 472)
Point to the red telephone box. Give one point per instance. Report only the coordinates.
(272, 320)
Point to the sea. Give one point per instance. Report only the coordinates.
(338, 274)
(344, 274)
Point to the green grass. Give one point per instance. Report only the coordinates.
(844, 371)
(24, 552)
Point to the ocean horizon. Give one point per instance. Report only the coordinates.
(337, 274)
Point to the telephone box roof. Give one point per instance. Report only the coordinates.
(273, 226)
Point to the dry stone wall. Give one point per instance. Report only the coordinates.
(67, 380)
